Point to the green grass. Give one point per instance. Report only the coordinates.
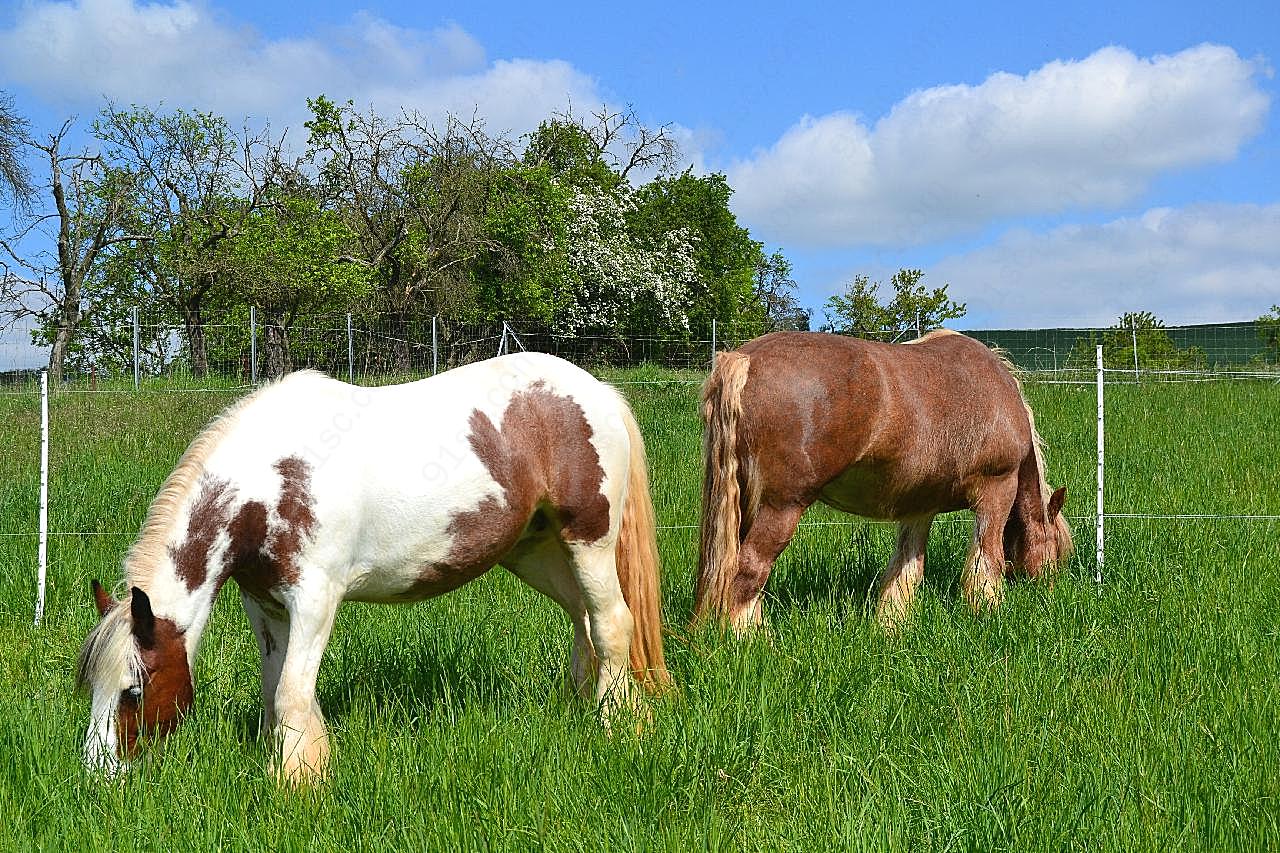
(1142, 713)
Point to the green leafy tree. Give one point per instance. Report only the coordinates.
(604, 150)
(775, 294)
(196, 182)
(289, 260)
(1156, 350)
(1269, 333)
(415, 197)
(523, 270)
(859, 310)
(727, 258)
(567, 151)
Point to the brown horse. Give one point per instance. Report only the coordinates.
(898, 432)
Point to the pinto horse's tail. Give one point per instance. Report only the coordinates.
(725, 484)
(637, 561)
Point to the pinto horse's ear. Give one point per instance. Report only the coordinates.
(144, 620)
(1056, 500)
(102, 599)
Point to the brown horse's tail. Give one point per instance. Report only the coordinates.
(637, 562)
(724, 484)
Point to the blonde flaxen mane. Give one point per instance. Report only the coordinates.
(146, 553)
(110, 649)
(1062, 530)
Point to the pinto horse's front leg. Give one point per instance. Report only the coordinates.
(270, 623)
(300, 733)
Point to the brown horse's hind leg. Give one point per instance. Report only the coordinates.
(902, 577)
(771, 530)
(983, 579)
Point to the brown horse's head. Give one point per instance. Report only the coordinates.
(134, 667)
(1036, 544)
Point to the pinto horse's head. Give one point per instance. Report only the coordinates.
(134, 668)
(1035, 546)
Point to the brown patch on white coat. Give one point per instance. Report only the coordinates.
(262, 551)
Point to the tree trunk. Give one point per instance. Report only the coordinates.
(195, 341)
(68, 318)
(276, 350)
(58, 352)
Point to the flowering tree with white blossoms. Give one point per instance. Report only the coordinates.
(619, 280)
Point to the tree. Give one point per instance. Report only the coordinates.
(1269, 333)
(913, 307)
(1144, 331)
(622, 281)
(195, 185)
(287, 259)
(414, 196)
(726, 256)
(775, 292)
(524, 269)
(606, 149)
(90, 201)
(15, 179)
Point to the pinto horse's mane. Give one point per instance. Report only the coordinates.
(110, 650)
(147, 552)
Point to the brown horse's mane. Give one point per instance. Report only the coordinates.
(1062, 530)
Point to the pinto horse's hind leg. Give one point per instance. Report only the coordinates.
(270, 623)
(983, 579)
(545, 565)
(771, 531)
(609, 622)
(901, 579)
(300, 730)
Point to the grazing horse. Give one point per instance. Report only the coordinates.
(899, 432)
(310, 492)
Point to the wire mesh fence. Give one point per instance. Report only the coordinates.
(247, 348)
(1186, 442)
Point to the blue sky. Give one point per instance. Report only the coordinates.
(1055, 165)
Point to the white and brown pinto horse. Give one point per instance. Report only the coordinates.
(310, 492)
(897, 432)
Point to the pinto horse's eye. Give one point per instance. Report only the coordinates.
(132, 695)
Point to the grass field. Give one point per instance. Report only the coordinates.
(1140, 714)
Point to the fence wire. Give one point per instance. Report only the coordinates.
(381, 349)
(245, 349)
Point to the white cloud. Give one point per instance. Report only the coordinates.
(951, 159)
(1198, 264)
(185, 54)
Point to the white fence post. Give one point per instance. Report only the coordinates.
(135, 348)
(1134, 328)
(253, 345)
(42, 555)
(713, 343)
(435, 346)
(1098, 575)
(351, 352)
